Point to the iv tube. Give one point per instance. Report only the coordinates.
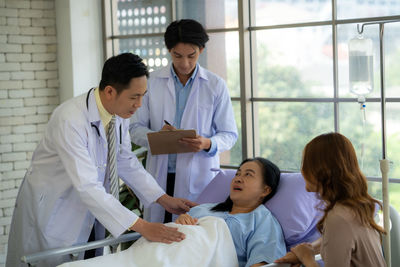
(361, 100)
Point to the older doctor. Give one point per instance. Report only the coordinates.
(188, 97)
(64, 196)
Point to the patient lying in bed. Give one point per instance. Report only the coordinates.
(257, 235)
(238, 232)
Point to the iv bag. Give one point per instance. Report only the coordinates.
(361, 66)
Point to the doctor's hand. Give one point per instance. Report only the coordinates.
(175, 205)
(157, 232)
(197, 144)
(167, 127)
(186, 219)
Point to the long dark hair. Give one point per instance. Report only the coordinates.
(271, 176)
(330, 161)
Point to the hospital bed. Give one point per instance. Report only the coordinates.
(293, 206)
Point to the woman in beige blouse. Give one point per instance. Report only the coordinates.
(350, 236)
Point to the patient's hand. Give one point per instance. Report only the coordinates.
(186, 219)
(259, 264)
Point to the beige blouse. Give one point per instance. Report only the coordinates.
(345, 242)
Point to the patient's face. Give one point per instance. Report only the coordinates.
(247, 187)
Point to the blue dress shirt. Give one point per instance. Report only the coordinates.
(182, 93)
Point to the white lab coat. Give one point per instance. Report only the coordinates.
(64, 189)
(208, 110)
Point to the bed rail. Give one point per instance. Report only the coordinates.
(73, 251)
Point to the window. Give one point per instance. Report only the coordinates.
(286, 65)
(138, 26)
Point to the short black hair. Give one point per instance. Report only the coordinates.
(271, 176)
(119, 70)
(185, 31)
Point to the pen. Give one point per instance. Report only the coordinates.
(166, 122)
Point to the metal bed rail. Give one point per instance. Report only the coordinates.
(73, 251)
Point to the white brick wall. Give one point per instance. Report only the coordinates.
(28, 93)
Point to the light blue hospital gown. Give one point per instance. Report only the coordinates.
(257, 235)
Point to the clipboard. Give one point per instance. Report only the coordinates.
(166, 142)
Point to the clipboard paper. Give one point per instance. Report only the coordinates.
(166, 142)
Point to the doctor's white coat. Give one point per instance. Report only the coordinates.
(208, 110)
(64, 189)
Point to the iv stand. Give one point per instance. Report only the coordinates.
(384, 163)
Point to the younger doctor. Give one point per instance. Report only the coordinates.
(64, 195)
(188, 97)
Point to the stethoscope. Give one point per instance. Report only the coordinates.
(95, 126)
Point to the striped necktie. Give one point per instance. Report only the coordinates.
(111, 161)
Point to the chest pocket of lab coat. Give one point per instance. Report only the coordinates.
(205, 119)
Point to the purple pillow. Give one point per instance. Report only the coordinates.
(292, 205)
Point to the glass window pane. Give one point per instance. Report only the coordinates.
(366, 139)
(151, 49)
(393, 138)
(272, 12)
(375, 190)
(394, 193)
(348, 9)
(211, 14)
(234, 156)
(141, 16)
(294, 62)
(283, 129)
(221, 56)
(392, 59)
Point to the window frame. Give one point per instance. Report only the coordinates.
(245, 30)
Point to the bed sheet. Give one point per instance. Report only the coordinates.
(207, 244)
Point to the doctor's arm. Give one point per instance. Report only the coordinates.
(175, 205)
(71, 143)
(71, 146)
(158, 232)
(224, 124)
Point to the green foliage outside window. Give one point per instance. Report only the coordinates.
(284, 128)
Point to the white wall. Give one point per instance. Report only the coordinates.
(28, 93)
(80, 50)
(48, 50)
